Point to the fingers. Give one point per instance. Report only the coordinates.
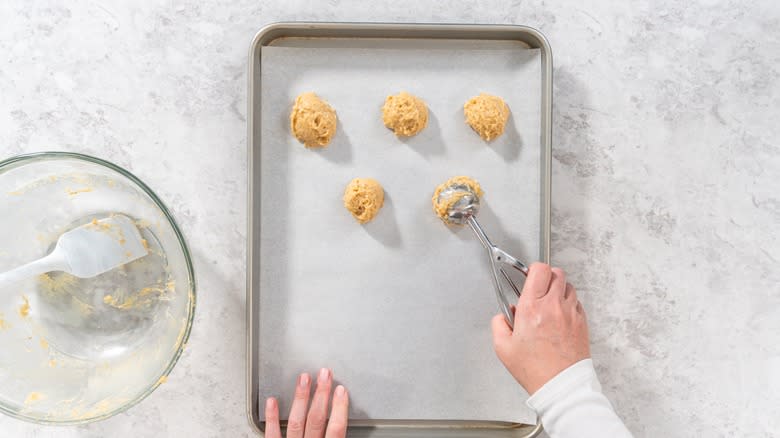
(500, 328)
(571, 293)
(318, 411)
(313, 424)
(296, 422)
(337, 425)
(557, 284)
(571, 297)
(538, 282)
(272, 428)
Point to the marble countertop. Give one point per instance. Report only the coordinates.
(665, 204)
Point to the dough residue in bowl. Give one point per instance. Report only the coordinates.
(144, 297)
(33, 397)
(24, 309)
(100, 357)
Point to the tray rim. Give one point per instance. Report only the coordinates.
(383, 30)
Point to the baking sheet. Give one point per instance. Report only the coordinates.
(398, 308)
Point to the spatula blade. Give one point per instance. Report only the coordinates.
(101, 246)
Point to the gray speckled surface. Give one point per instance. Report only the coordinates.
(666, 209)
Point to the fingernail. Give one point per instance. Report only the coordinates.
(270, 403)
(340, 391)
(324, 374)
(303, 381)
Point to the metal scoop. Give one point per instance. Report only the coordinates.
(464, 211)
(87, 251)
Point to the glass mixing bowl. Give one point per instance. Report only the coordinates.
(80, 350)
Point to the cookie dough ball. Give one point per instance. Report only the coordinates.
(405, 114)
(487, 115)
(312, 121)
(443, 198)
(363, 197)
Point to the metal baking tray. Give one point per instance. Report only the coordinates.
(317, 32)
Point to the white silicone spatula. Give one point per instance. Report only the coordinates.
(87, 251)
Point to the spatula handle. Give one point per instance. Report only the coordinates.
(52, 262)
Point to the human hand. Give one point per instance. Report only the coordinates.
(550, 333)
(311, 421)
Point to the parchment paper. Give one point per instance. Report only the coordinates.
(399, 308)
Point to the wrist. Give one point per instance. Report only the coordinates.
(561, 383)
(532, 383)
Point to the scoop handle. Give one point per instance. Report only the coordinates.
(480, 233)
(55, 261)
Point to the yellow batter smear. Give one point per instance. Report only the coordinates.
(33, 397)
(42, 182)
(441, 207)
(74, 192)
(80, 306)
(150, 290)
(102, 226)
(52, 363)
(100, 408)
(110, 300)
(4, 325)
(162, 380)
(24, 309)
(44, 344)
(62, 283)
(143, 297)
(180, 337)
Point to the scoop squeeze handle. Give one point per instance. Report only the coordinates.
(499, 258)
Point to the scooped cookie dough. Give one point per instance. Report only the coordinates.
(363, 197)
(487, 115)
(312, 121)
(405, 114)
(442, 204)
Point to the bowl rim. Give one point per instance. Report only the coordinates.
(18, 160)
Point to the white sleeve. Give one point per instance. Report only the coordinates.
(571, 405)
